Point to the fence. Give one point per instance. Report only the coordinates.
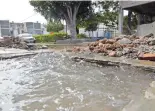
(100, 33)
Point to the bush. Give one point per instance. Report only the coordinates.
(50, 37)
(80, 36)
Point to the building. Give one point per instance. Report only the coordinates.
(4, 28)
(13, 29)
(33, 28)
(100, 32)
(146, 15)
(44, 29)
(16, 28)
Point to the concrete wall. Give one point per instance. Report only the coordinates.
(145, 29)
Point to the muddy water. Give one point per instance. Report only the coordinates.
(52, 82)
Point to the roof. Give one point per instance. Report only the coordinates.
(128, 4)
(142, 7)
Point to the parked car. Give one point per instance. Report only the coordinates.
(28, 38)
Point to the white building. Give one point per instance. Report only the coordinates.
(13, 29)
(100, 32)
(16, 28)
(32, 28)
(4, 28)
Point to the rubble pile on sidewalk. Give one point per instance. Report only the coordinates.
(11, 42)
(130, 46)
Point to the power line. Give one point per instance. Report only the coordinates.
(29, 17)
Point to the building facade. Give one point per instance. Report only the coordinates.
(13, 29)
(16, 28)
(4, 28)
(33, 28)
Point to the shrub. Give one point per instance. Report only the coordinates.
(50, 37)
(79, 36)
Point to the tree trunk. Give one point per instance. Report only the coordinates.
(71, 19)
(72, 28)
(77, 30)
(129, 19)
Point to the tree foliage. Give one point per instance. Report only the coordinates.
(91, 23)
(108, 12)
(54, 26)
(130, 23)
(66, 10)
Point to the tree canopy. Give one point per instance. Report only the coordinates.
(54, 26)
(108, 12)
(66, 10)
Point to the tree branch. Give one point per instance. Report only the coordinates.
(76, 10)
(69, 14)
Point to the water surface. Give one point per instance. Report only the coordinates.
(53, 82)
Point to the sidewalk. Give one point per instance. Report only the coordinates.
(96, 58)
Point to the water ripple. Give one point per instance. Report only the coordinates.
(52, 82)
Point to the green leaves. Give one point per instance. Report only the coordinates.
(66, 10)
(108, 12)
(54, 26)
(134, 21)
(50, 37)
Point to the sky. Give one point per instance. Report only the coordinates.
(19, 11)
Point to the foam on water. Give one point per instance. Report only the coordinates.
(53, 82)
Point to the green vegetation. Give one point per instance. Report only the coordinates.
(86, 14)
(69, 11)
(80, 36)
(54, 26)
(50, 37)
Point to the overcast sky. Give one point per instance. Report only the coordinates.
(19, 11)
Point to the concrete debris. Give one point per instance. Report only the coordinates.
(124, 41)
(12, 42)
(129, 46)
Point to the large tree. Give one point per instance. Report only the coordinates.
(66, 10)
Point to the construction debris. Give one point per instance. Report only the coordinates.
(129, 46)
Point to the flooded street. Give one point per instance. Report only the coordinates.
(53, 82)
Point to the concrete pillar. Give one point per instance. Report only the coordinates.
(120, 21)
(139, 19)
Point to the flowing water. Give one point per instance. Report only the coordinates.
(53, 82)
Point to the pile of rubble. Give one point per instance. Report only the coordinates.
(11, 42)
(130, 46)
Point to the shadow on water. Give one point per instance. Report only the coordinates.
(53, 82)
